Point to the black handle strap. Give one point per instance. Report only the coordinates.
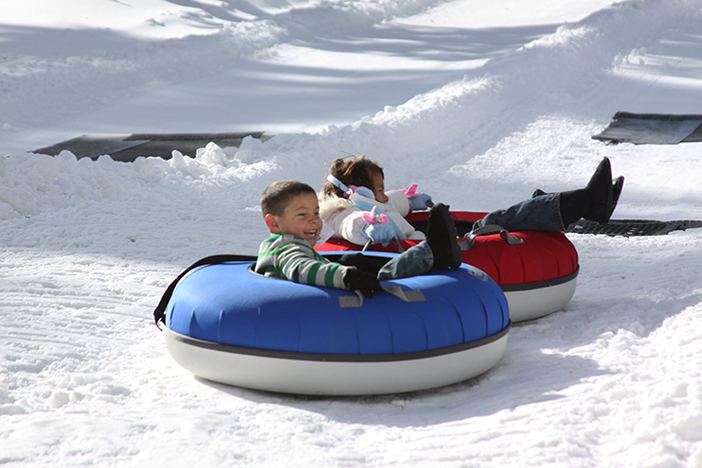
(160, 310)
(486, 231)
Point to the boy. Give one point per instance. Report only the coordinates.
(291, 212)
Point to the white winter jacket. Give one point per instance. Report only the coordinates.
(347, 222)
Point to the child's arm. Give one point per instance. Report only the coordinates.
(294, 259)
(352, 227)
(348, 221)
(416, 200)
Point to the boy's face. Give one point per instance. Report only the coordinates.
(300, 218)
(378, 187)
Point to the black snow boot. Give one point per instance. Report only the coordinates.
(441, 237)
(616, 191)
(595, 202)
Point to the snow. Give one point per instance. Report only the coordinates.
(477, 102)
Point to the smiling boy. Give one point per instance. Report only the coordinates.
(291, 212)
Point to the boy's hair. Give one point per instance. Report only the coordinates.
(278, 195)
(353, 170)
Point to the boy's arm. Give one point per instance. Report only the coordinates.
(294, 259)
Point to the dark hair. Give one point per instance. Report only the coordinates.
(278, 195)
(353, 170)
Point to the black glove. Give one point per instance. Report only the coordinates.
(356, 280)
(369, 264)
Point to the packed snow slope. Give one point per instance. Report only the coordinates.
(477, 103)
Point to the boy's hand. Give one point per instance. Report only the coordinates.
(356, 280)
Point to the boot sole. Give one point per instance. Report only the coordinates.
(616, 191)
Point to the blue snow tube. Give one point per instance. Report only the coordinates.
(226, 312)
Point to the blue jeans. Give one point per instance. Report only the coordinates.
(542, 212)
(416, 260)
(539, 213)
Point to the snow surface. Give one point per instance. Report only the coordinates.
(477, 102)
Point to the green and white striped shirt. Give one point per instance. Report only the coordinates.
(293, 258)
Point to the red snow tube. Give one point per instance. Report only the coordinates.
(537, 275)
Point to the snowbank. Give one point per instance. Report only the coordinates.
(482, 112)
